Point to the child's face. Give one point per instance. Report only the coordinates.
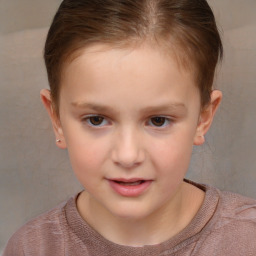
(129, 116)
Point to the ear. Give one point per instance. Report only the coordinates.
(206, 117)
(48, 104)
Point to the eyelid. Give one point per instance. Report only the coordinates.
(85, 119)
(106, 121)
(167, 118)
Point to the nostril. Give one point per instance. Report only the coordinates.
(127, 165)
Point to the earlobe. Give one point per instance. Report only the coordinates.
(48, 104)
(206, 117)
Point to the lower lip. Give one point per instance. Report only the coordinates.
(130, 190)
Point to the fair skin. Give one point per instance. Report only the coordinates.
(129, 119)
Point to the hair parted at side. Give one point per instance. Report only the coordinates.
(187, 27)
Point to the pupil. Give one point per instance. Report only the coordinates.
(158, 121)
(96, 120)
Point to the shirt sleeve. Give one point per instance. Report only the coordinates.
(14, 247)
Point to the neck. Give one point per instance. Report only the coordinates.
(153, 229)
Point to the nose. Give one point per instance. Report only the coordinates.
(128, 151)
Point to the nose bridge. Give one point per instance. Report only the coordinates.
(128, 150)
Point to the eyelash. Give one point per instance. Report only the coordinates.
(165, 119)
(88, 120)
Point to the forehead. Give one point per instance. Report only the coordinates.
(146, 52)
(144, 71)
(166, 48)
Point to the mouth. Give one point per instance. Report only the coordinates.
(130, 187)
(129, 183)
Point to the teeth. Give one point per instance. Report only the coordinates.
(130, 183)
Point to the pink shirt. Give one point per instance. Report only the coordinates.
(224, 225)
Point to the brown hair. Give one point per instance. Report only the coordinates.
(186, 26)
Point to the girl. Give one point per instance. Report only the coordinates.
(131, 93)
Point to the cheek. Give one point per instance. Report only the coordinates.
(171, 160)
(86, 162)
(171, 157)
(87, 155)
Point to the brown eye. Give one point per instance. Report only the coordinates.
(158, 121)
(96, 120)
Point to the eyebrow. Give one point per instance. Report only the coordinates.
(166, 107)
(102, 108)
(92, 106)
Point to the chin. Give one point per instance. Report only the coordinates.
(131, 212)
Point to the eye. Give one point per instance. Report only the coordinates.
(96, 121)
(159, 121)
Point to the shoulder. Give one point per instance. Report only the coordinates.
(236, 206)
(232, 229)
(45, 231)
(229, 204)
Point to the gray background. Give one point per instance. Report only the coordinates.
(35, 175)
